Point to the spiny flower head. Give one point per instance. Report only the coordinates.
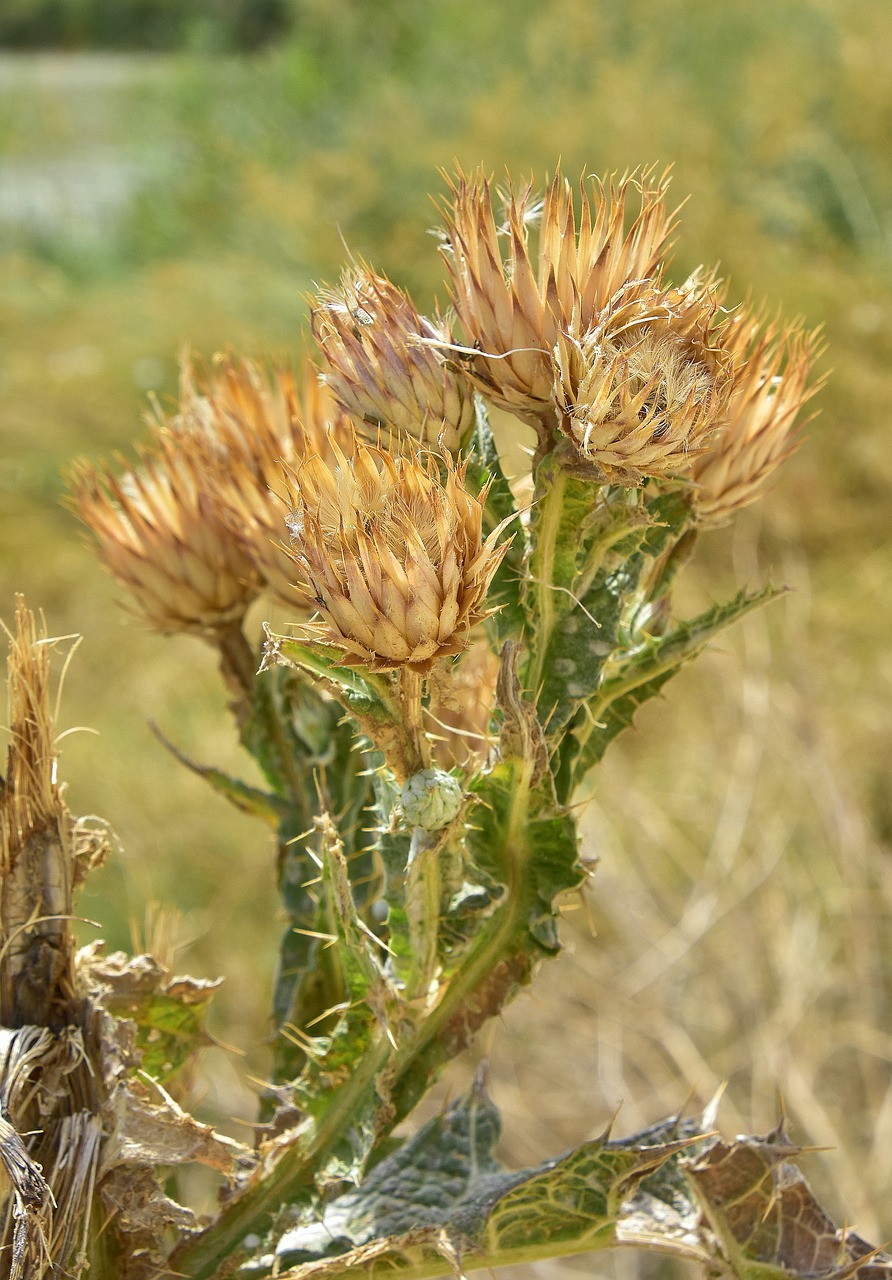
(515, 297)
(772, 368)
(645, 388)
(161, 536)
(249, 423)
(392, 554)
(379, 371)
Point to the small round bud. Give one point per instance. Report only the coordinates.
(431, 799)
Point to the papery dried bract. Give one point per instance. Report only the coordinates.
(379, 372)
(161, 535)
(769, 391)
(392, 555)
(514, 300)
(256, 422)
(646, 387)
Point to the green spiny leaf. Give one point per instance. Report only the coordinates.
(169, 1013)
(247, 799)
(445, 1187)
(637, 677)
(504, 593)
(591, 550)
(365, 694)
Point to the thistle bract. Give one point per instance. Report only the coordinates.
(392, 556)
(160, 534)
(379, 371)
(642, 391)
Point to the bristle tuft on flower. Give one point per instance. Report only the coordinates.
(161, 536)
(647, 386)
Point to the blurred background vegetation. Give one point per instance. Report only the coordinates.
(174, 173)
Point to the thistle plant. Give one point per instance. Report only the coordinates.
(464, 645)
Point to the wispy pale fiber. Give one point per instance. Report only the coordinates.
(644, 389)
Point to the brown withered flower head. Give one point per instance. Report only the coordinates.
(250, 423)
(391, 551)
(161, 536)
(772, 368)
(517, 290)
(368, 331)
(643, 391)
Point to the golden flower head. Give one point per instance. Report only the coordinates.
(392, 554)
(646, 387)
(379, 371)
(160, 535)
(515, 297)
(250, 423)
(771, 373)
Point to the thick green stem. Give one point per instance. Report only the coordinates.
(293, 1172)
(238, 667)
(423, 890)
(202, 1256)
(548, 523)
(417, 748)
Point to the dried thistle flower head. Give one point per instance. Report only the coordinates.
(392, 555)
(161, 536)
(772, 368)
(646, 387)
(514, 300)
(249, 424)
(377, 369)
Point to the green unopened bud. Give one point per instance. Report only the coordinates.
(431, 799)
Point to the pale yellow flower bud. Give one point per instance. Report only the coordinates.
(515, 298)
(771, 373)
(379, 372)
(253, 423)
(161, 536)
(392, 555)
(643, 390)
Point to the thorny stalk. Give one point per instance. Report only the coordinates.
(420, 879)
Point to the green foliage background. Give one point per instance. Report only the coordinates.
(742, 904)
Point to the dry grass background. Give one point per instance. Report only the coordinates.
(739, 924)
